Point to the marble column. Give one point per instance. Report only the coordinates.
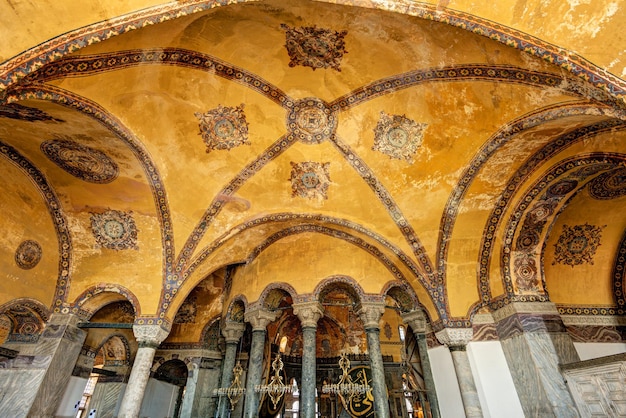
(417, 322)
(457, 339)
(370, 313)
(149, 338)
(38, 387)
(308, 313)
(259, 319)
(232, 332)
(535, 344)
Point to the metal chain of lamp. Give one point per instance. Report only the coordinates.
(345, 387)
(276, 388)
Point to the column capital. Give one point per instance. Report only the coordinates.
(149, 335)
(370, 313)
(308, 313)
(455, 338)
(259, 318)
(233, 331)
(416, 320)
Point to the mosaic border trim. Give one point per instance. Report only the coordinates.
(14, 69)
(560, 171)
(522, 174)
(619, 282)
(55, 210)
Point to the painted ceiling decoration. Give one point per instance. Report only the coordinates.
(314, 47)
(81, 161)
(26, 113)
(609, 185)
(223, 128)
(512, 144)
(28, 254)
(577, 244)
(114, 230)
(398, 136)
(310, 179)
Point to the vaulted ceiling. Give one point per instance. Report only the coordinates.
(298, 141)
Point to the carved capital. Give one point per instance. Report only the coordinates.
(233, 331)
(149, 335)
(370, 313)
(416, 320)
(308, 313)
(259, 318)
(455, 338)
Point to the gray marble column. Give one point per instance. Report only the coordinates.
(308, 313)
(457, 339)
(232, 332)
(149, 338)
(370, 313)
(417, 322)
(535, 344)
(54, 358)
(259, 319)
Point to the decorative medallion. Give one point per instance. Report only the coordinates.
(577, 244)
(86, 163)
(561, 188)
(311, 120)
(398, 136)
(28, 254)
(114, 230)
(609, 185)
(314, 47)
(29, 114)
(223, 128)
(525, 272)
(310, 179)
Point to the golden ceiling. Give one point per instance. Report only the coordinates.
(449, 147)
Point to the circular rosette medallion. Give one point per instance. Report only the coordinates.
(311, 120)
(28, 254)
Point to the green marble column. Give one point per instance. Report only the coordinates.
(370, 313)
(308, 313)
(259, 319)
(232, 332)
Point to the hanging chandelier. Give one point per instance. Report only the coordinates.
(276, 388)
(236, 390)
(345, 387)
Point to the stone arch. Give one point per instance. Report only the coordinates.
(535, 214)
(211, 334)
(348, 284)
(24, 320)
(174, 371)
(403, 295)
(96, 297)
(237, 309)
(116, 350)
(275, 293)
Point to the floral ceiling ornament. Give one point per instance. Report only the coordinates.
(114, 230)
(314, 47)
(577, 244)
(310, 179)
(397, 136)
(223, 128)
(610, 185)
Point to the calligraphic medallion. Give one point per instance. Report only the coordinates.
(361, 405)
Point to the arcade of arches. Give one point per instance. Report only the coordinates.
(432, 190)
